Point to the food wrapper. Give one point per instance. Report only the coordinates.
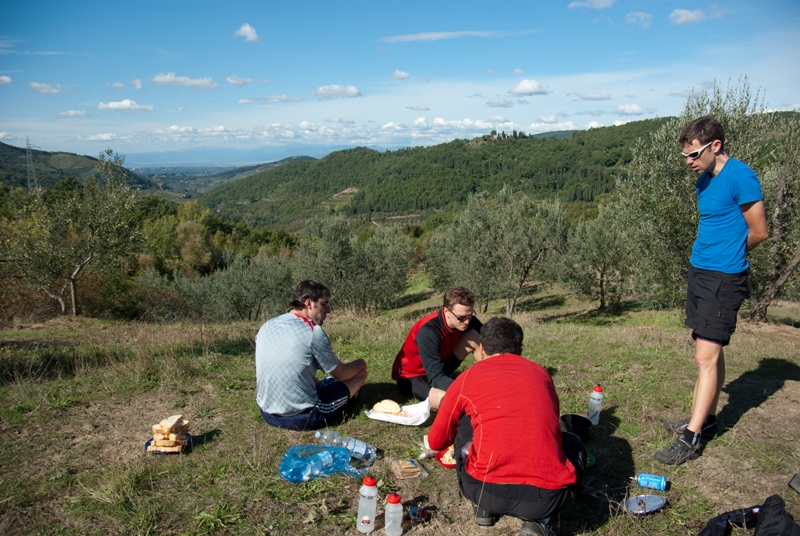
(413, 415)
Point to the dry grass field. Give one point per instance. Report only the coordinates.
(77, 398)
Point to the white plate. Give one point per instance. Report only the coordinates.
(415, 414)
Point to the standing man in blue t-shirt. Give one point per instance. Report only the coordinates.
(732, 222)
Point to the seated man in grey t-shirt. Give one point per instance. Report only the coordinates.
(290, 348)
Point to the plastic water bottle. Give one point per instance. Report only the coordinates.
(646, 480)
(358, 449)
(367, 505)
(595, 404)
(393, 516)
(302, 463)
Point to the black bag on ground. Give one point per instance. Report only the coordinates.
(774, 520)
(770, 519)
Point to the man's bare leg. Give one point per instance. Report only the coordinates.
(356, 382)
(710, 360)
(435, 396)
(468, 344)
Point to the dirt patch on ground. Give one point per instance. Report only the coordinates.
(732, 473)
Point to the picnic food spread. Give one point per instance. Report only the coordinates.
(169, 435)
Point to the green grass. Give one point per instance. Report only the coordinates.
(77, 398)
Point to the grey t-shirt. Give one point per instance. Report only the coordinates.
(289, 351)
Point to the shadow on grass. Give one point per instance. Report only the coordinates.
(786, 321)
(754, 387)
(605, 484)
(238, 346)
(413, 298)
(205, 437)
(542, 302)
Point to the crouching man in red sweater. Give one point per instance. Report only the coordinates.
(502, 414)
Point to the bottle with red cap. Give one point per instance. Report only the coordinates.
(393, 516)
(367, 505)
(595, 404)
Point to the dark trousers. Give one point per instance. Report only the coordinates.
(518, 500)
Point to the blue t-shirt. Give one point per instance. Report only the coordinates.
(722, 230)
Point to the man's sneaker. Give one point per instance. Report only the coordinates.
(677, 453)
(709, 431)
(483, 518)
(533, 528)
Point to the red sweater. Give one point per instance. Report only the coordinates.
(514, 410)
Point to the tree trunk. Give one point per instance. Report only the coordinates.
(759, 314)
(73, 293)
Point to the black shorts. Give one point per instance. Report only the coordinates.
(712, 303)
(419, 387)
(518, 500)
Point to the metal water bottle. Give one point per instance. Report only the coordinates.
(646, 480)
(367, 505)
(595, 404)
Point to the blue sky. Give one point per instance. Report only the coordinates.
(144, 76)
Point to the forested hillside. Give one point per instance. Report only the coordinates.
(50, 168)
(364, 182)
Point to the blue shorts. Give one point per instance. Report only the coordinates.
(332, 396)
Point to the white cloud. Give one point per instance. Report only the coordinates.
(125, 105)
(594, 124)
(528, 87)
(180, 109)
(550, 127)
(336, 91)
(619, 122)
(115, 85)
(593, 4)
(237, 81)
(490, 71)
(629, 109)
(522, 101)
(73, 113)
(101, 137)
(343, 120)
(593, 96)
(548, 119)
(498, 119)
(499, 103)
(5, 80)
(272, 99)
(684, 16)
(400, 75)
(591, 112)
(437, 36)
(170, 79)
(3, 135)
(640, 18)
(418, 108)
(45, 88)
(136, 83)
(248, 32)
(517, 71)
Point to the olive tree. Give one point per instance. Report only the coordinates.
(497, 244)
(50, 242)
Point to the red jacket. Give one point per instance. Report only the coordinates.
(428, 344)
(514, 410)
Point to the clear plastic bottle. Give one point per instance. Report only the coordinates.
(302, 463)
(367, 505)
(358, 449)
(595, 404)
(393, 516)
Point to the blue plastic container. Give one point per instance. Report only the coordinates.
(647, 480)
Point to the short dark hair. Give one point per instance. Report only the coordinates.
(308, 289)
(501, 335)
(458, 296)
(705, 130)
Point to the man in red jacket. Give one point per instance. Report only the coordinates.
(436, 346)
(502, 414)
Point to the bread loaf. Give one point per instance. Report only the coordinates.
(388, 406)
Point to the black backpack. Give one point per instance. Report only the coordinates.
(770, 519)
